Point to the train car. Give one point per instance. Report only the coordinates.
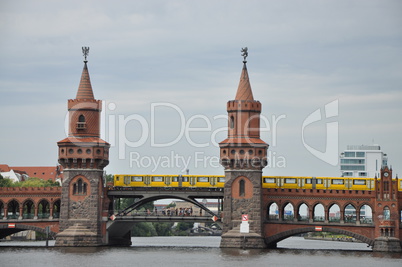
(289, 182)
(125, 180)
(332, 183)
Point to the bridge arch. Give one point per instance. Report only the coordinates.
(5, 231)
(158, 197)
(303, 215)
(318, 209)
(272, 240)
(1, 210)
(43, 208)
(13, 207)
(28, 209)
(284, 212)
(273, 211)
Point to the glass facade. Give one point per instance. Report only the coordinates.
(353, 161)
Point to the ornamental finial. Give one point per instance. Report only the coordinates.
(85, 52)
(244, 53)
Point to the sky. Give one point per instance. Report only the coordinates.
(327, 73)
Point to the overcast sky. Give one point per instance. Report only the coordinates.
(163, 68)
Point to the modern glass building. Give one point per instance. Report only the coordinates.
(362, 161)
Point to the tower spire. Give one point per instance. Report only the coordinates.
(85, 87)
(244, 91)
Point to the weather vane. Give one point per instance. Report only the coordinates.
(85, 52)
(244, 53)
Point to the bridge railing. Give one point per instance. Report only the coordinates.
(161, 214)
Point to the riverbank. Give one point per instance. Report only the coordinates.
(340, 239)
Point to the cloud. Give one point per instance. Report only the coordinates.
(303, 55)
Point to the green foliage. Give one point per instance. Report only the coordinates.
(163, 229)
(5, 182)
(171, 205)
(31, 182)
(109, 178)
(143, 229)
(183, 228)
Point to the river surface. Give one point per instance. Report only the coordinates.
(196, 251)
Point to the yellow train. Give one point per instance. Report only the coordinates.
(218, 181)
(334, 183)
(125, 180)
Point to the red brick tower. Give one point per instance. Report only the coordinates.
(387, 212)
(243, 155)
(83, 155)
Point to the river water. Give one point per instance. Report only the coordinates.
(196, 251)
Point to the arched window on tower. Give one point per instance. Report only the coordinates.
(231, 122)
(386, 213)
(81, 124)
(242, 190)
(80, 187)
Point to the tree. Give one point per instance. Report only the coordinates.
(36, 182)
(143, 229)
(163, 229)
(5, 182)
(109, 178)
(183, 228)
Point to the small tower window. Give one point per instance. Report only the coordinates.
(80, 188)
(81, 124)
(231, 122)
(387, 214)
(242, 190)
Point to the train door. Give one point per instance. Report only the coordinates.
(127, 180)
(147, 180)
(168, 180)
(213, 180)
(348, 183)
(193, 181)
(279, 182)
(326, 182)
(300, 182)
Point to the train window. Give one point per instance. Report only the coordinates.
(221, 179)
(202, 179)
(185, 179)
(157, 178)
(337, 181)
(319, 181)
(117, 178)
(290, 180)
(269, 180)
(308, 181)
(359, 182)
(175, 179)
(136, 178)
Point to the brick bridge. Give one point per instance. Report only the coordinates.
(310, 211)
(29, 208)
(306, 203)
(85, 207)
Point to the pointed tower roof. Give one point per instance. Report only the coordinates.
(244, 90)
(85, 87)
